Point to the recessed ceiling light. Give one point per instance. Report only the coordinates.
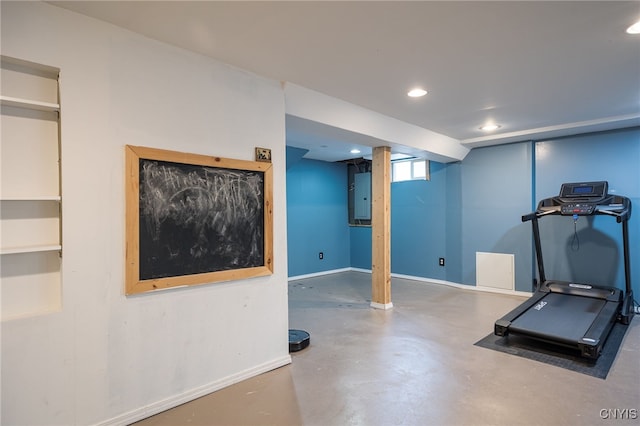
(634, 29)
(489, 127)
(355, 151)
(416, 93)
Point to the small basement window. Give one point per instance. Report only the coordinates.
(411, 169)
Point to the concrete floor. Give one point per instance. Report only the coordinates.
(413, 365)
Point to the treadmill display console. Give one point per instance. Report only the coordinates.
(581, 198)
(584, 199)
(577, 208)
(591, 192)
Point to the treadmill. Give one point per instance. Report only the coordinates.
(570, 314)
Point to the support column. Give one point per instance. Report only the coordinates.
(381, 229)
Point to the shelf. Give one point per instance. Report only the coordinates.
(38, 198)
(29, 104)
(46, 71)
(30, 193)
(30, 249)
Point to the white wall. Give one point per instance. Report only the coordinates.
(106, 358)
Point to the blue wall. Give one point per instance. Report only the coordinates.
(418, 225)
(477, 205)
(316, 216)
(453, 226)
(360, 237)
(496, 192)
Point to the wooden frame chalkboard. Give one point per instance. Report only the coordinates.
(194, 219)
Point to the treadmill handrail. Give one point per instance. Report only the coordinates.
(539, 213)
(613, 205)
(622, 215)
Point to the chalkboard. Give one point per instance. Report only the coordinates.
(195, 219)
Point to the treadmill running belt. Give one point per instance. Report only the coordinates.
(567, 318)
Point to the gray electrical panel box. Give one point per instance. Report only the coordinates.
(362, 196)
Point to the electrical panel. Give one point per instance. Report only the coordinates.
(362, 196)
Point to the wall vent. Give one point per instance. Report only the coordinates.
(495, 270)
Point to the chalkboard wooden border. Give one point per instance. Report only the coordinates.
(133, 283)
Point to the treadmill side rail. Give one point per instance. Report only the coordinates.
(627, 312)
(590, 349)
(605, 320)
(501, 327)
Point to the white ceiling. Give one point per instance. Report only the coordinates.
(539, 69)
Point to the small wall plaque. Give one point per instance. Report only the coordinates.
(263, 154)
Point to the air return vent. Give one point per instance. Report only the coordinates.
(495, 270)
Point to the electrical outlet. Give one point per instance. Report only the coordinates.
(321, 255)
(441, 261)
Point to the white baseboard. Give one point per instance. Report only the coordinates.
(319, 274)
(503, 291)
(366, 271)
(382, 306)
(174, 401)
(422, 280)
(463, 286)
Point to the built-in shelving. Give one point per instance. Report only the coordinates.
(30, 249)
(30, 190)
(32, 198)
(28, 104)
